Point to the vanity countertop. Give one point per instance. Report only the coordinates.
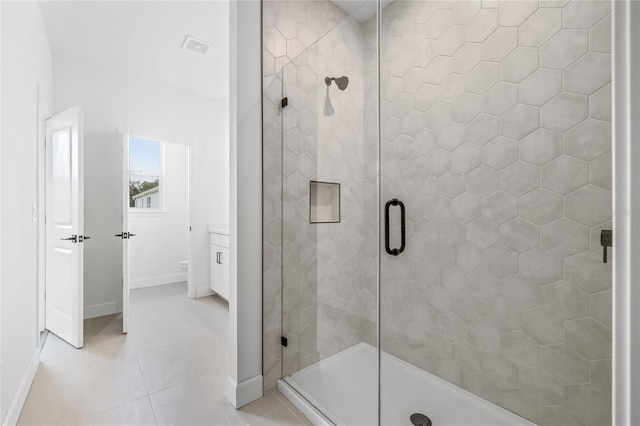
(219, 229)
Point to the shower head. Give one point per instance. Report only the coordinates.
(341, 82)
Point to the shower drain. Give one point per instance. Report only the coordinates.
(419, 419)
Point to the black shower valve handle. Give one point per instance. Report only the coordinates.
(606, 240)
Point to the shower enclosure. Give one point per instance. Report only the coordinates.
(437, 177)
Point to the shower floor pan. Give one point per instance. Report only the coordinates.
(343, 388)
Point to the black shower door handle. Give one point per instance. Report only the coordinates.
(394, 251)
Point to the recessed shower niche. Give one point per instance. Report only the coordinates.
(324, 202)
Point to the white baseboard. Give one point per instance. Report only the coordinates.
(204, 291)
(101, 310)
(241, 394)
(310, 412)
(15, 408)
(161, 280)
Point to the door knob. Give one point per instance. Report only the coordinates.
(73, 239)
(125, 235)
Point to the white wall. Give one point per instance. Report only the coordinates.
(26, 70)
(111, 99)
(162, 239)
(245, 159)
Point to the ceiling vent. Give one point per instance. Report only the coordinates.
(197, 46)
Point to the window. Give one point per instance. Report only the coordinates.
(145, 174)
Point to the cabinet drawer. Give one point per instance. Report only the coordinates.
(219, 239)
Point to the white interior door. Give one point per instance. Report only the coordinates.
(125, 233)
(65, 226)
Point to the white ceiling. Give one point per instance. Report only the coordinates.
(145, 38)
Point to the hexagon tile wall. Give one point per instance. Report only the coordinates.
(496, 134)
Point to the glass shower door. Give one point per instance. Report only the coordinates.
(495, 187)
(329, 220)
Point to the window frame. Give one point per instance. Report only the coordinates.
(160, 175)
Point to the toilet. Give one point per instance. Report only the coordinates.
(185, 265)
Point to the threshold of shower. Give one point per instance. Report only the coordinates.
(342, 390)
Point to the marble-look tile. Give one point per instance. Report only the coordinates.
(567, 365)
(564, 48)
(519, 178)
(111, 383)
(520, 235)
(517, 401)
(587, 404)
(519, 64)
(541, 326)
(541, 146)
(138, 412)
(519, 292)
(500, 315)
(518, 349)
(59, 358)
(600, 104)
(588, 74)
(500, 98)
(500, 207)
(601, 307)
(600, 376)
(564, 111)
(165, 367)
(584, 272)
(501, 372)
(514, 13)
(588, 140)
(564, 237)
(192, 402)
(541, 206)
(540, 87)
(557, 416)
(588, 205)
(482, 25)
(480, 385)
(564, 300)
(499, 44)
(589, 338)
(482, 77)
(534, 156)
(519, 121)
(57, 401)
(541, 386)
(540, 27)
(578, 15)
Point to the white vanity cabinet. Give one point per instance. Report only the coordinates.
(219, 262)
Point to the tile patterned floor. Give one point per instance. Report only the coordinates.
(169, 370)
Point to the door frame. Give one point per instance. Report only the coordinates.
(43, 115)
(128, 134)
